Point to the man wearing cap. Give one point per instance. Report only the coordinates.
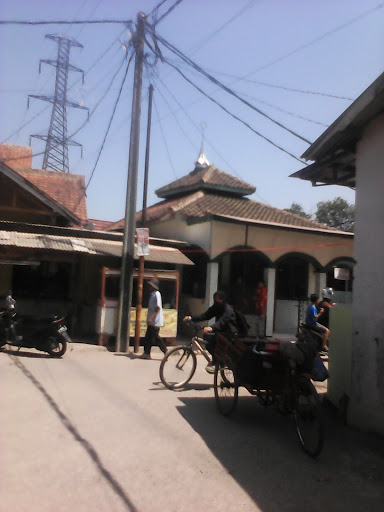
(154, 320)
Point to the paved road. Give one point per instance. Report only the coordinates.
(96, 431)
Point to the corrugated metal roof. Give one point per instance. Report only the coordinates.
(93, 246)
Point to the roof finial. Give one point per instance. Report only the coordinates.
(202, 160)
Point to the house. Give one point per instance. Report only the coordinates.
(51, 254)
(236, 242)
(351, 153)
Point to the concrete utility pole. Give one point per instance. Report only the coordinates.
(127, 264)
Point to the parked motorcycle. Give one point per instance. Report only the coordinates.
(45, 334)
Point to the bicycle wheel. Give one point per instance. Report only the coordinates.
(308, 418)
(177, 367)
(226, 389)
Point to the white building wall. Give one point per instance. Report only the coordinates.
(367, 371)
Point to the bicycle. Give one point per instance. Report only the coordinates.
(179, 364)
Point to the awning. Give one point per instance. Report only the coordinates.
(91, 246)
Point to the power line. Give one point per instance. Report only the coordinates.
(77, 81)
(293, 114)
(157, 7)
(285, 88)
(62, 22)
(110, 121)
(205, 138)
(328, 33)
(228, 112)
(223, 26)
(169, 11)
(222, 86)
(175, 118)
(165, 140)
(86, 121)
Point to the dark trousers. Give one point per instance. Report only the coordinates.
(152, 338)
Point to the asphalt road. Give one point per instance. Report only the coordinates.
(96, 431)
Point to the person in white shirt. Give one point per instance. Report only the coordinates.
(154, 320)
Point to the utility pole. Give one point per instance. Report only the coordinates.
(127, 264)
(140, 278)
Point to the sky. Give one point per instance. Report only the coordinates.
(259, 49)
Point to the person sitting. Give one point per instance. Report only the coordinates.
(327, 304)
(311, 319)
(225, 322)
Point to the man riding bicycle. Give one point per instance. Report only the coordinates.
(225, 322)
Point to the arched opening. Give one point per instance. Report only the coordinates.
(340, 277)
(241, 268)
(194, 276)
(295, 276)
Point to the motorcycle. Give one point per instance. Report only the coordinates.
(45, 334)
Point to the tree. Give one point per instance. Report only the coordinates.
(298, 210)
(337, 214)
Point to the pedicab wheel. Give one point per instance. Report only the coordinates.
(308, 418)
(177, 367)
(226, 389)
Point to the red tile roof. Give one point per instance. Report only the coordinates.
(100, 225)
(202, 204)
(16, 157)
(207, 178)
(68, 190)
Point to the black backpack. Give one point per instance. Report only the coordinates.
(242, 324)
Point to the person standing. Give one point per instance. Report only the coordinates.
(260, 299)
(154, 320)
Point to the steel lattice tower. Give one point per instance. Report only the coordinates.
(57, 141)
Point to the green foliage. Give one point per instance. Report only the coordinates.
(298, 210)
(338, 214)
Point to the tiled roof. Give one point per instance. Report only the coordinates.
(100, 225)
(206, 178)
(16, 157)
(68, 190)
(202, 204)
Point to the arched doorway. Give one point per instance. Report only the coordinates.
(241, 268)
(340, 277)
(295, 276)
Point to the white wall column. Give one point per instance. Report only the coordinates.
(320, 282)
(366, 404)
(270, 282)
(211, 283)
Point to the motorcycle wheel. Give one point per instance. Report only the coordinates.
(57, 346)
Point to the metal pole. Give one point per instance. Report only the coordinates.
(122, 342)
(140, 278)
(145, 191)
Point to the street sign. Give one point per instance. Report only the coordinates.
(142, 241)
(341, 273)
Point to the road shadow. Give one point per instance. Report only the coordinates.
(89, 449)
(24, 353)
(188, 387)
(259, 448)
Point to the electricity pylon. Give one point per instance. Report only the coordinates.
(57, 141)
